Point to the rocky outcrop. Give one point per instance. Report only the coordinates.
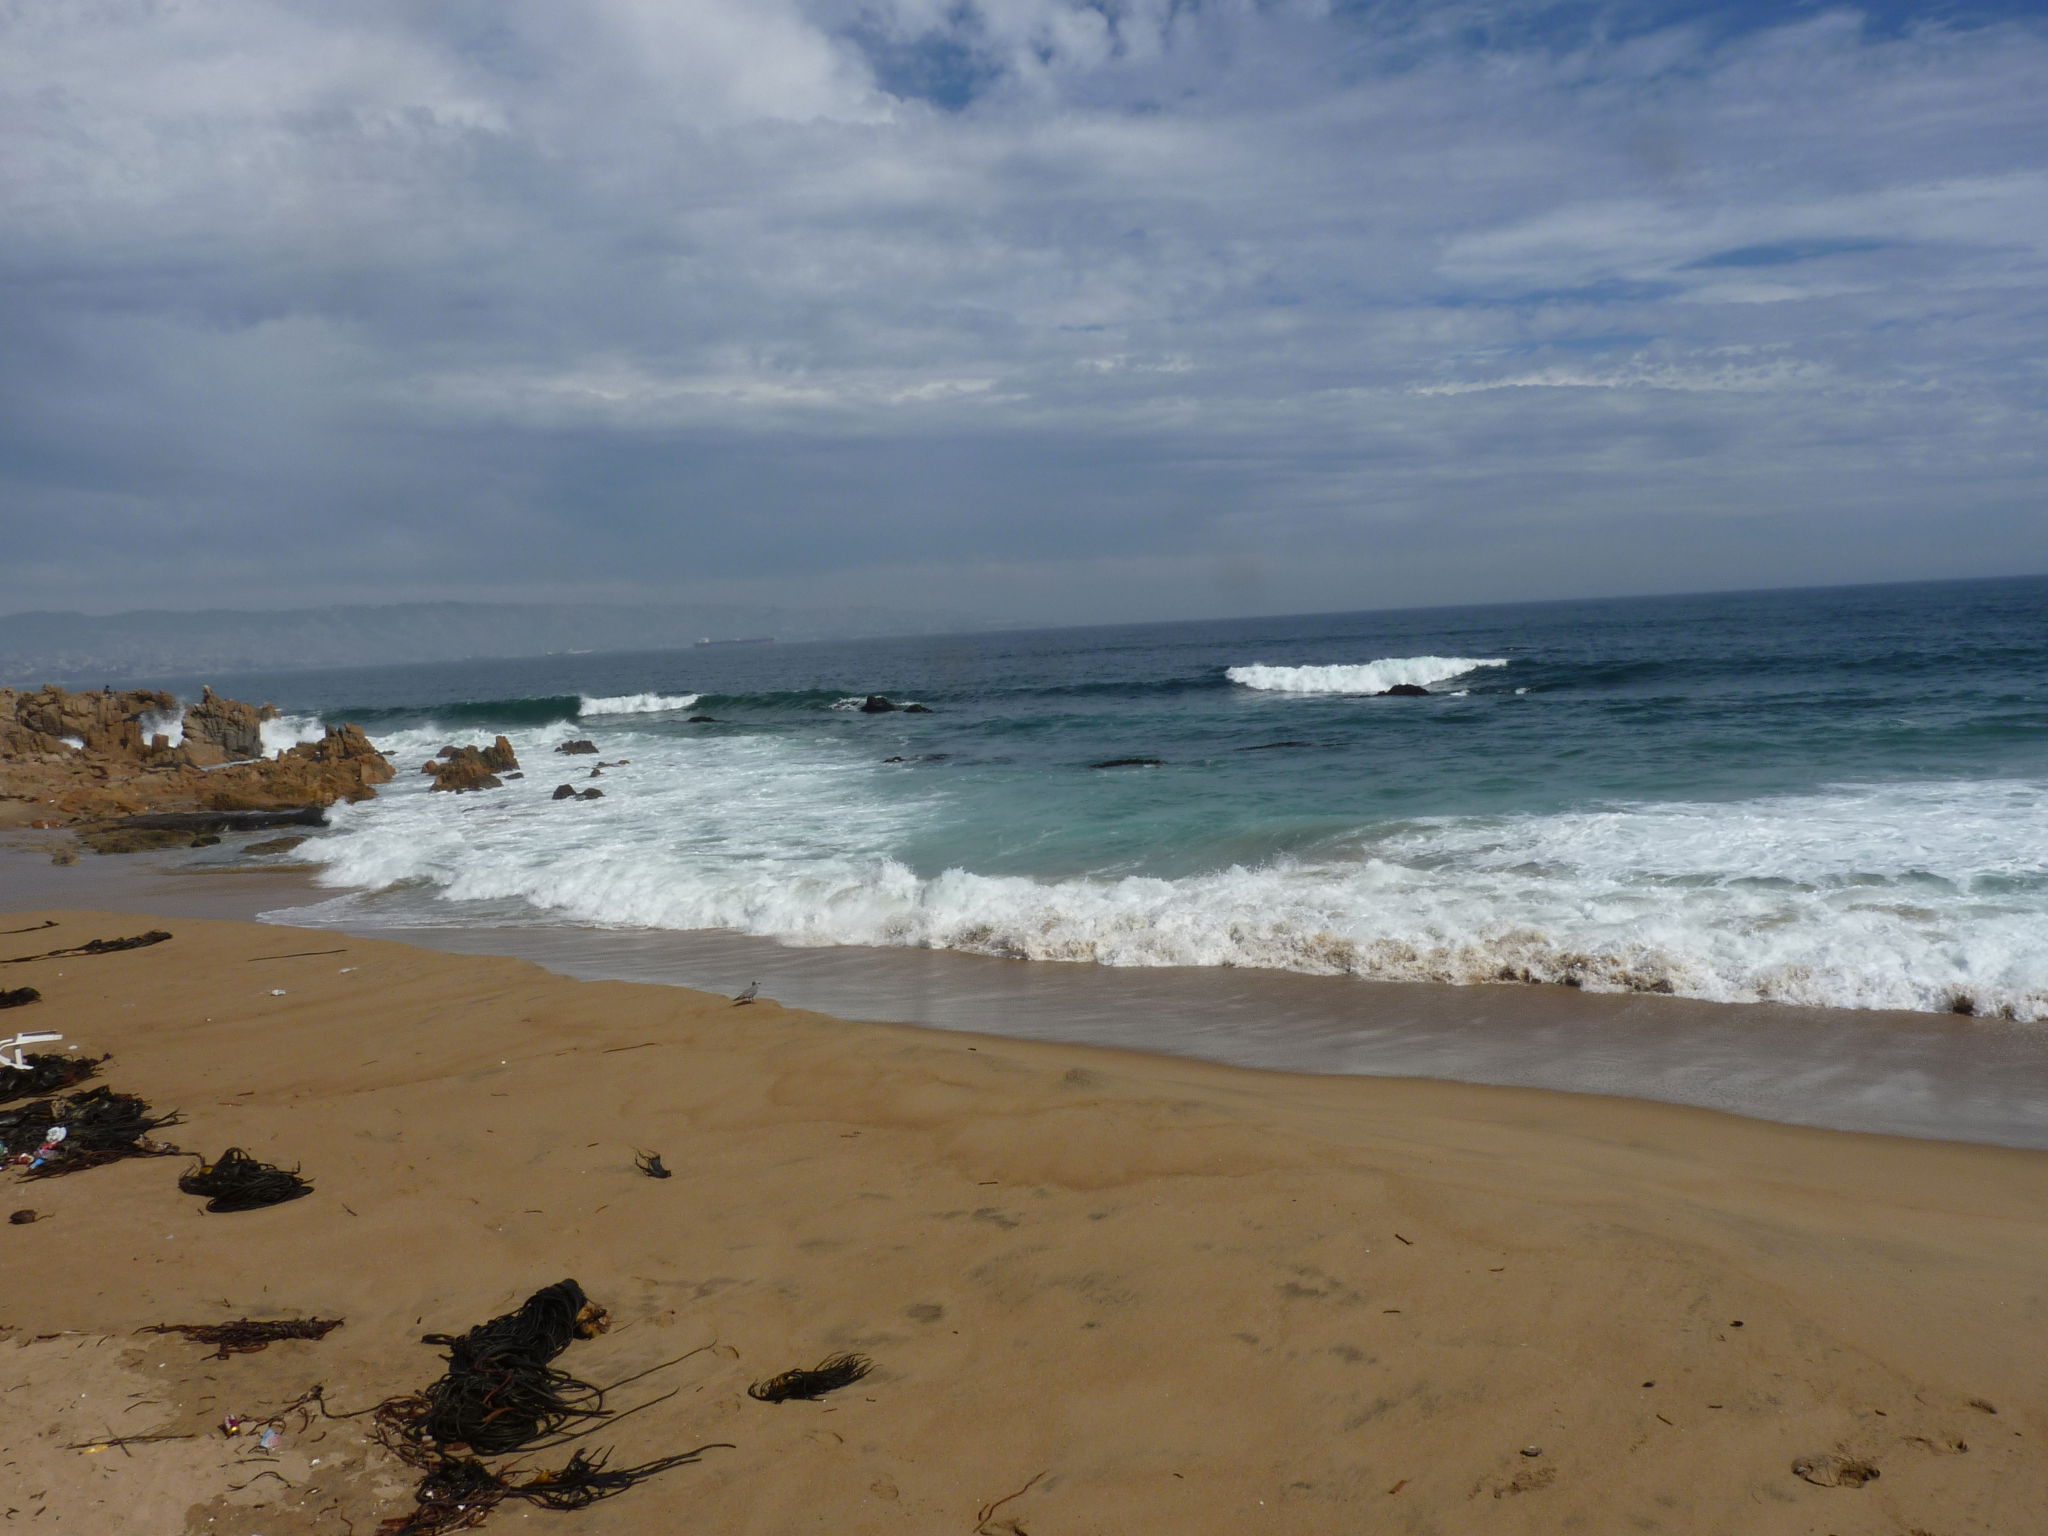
(104, 724)
(113, 773)
(577, 748)
(1406, 691)
(876, 704)
(461, 769)
(219, 730)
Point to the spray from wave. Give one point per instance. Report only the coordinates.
(288, 731)
(637, 704)
(1365, 677)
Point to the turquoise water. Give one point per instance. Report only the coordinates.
(1830, 797)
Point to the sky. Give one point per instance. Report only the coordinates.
(1049, 310)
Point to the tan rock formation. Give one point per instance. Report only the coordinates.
(46, 781)
(219, 730)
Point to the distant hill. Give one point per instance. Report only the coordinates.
(92, 649)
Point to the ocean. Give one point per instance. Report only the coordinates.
(1828, 798)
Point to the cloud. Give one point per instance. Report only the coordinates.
(1023, 294)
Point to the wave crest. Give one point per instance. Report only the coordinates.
(636, 704)
(1363, 677)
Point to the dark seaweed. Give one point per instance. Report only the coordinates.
(46, 1072)
(237, 1182)
(808, 1386)
(101, 1126)
(245, 1336)
(500, 1394)
(19, 997)
(649, 1163)
(96, 947)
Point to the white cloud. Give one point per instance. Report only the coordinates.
(1165, 267)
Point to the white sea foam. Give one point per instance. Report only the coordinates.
(1364, 677)
(1919, 896)
(75, 743)
(168, 723)
(637, 704)
(289, 731)
(858, 699)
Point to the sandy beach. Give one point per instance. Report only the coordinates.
(1151, 1294)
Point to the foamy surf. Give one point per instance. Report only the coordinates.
(1923, 896)
(637, 704)
(1365, 677)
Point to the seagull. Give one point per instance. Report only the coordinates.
(753, 991)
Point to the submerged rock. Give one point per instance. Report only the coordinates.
(1129, 762)
(564, 792)
(875, 704)
(1406, 691)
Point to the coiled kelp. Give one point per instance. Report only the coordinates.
(238, 1182)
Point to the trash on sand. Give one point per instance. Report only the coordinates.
(244, 1336)
(19, 997)
(15, 1043)
(1835, 1471)
(237, 1182)
(81, 1130)
(277, 991)
(271, 1437)
(808, 1386)
(649, 1163)
(500, 1394)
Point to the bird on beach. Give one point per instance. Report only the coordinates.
(753, 991)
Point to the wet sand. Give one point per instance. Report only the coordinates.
(1138, 1293)
(1899, 1073)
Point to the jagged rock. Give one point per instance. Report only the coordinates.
(875, 704)
(1405, 691)
(466, 769)
(577, 748)
(219, 730)
(564, 792)
(115, 775)
(105, 724)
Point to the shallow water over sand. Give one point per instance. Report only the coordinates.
(1904, 1073)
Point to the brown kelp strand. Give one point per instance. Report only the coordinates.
(245, 1336)
(95, 947)
(500, 1391)
(45, 1072)
(809, 1385)
(238, 1182)
(499, 1395)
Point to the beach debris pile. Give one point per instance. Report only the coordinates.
(235, 1181)
(500, 1395)
(807, 1386)
(49, 1136)
(245, 1336)
(41, 1073)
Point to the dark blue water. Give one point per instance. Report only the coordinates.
(1825, 797)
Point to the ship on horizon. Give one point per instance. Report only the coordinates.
(749, 640)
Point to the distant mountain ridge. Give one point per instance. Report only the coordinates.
(115, 648)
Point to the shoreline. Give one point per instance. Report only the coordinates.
(1165, 1293)
(1919, 1074)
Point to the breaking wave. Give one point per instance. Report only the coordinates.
(636, 704)
(289, 731)
(1364, 677)
(1923, 896)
